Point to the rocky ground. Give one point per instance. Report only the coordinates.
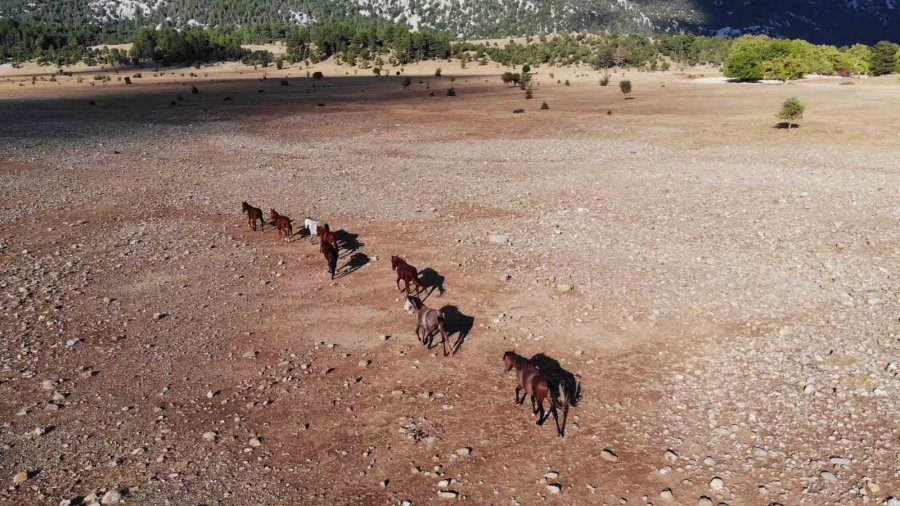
(725, 292)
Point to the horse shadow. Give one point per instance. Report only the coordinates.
(559, 377)
(430, 280)
(348, 242)
(353, 264)
(457, 323)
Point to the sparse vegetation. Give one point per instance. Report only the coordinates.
(625, 87)
(451, 92)
(544, 106)
(791, 110)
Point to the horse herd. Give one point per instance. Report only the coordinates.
(534, 380)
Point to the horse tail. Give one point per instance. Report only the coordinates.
(560, 401)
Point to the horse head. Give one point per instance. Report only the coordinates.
(245, 206)
(394, 261)
(509, 360)
(415, 301)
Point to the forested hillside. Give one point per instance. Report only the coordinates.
(821, 21)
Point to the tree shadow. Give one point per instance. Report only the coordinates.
(457, 322)
(559, 378)
(785, 125)
(430, 280)
(356, 261)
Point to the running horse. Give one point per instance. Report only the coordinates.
(428, 323)
(283, 223)
(330, 252)
(407, 273)
(535, 384)
(253, 214)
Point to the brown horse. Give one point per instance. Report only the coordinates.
(406, 272)
(253, 214)
(330, 252)
(328, 236)
(283, 223)
(429, 322)
(536, 384)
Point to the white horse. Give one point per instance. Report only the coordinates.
(312, 225)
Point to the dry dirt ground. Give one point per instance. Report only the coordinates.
(726, 292)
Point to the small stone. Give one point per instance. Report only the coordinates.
(828, 476)
(363, 363)
(667, 494)
(210, 436)
(498, 239)
(384, 483)
(554, 488)
(111, 498)
(716, 483)
(250, 354)
(704, 501)
(552, 475)
(72, 342)
(564, 287)
(255, 442)
(464, 451)
(448, 494)
(159, 316)
(839, 461)
(609, 455)
(48, 385)
(20, 478)
(671, 456)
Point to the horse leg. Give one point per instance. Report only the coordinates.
(517, 395)
(398, 283)
(444, 340)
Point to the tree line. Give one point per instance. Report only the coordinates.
(366, 41)
(759, 57)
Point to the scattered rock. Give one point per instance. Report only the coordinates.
(609, 455)
(20, 478)
(111, 498)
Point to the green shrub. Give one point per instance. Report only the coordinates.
(792, 109)
(625, 87)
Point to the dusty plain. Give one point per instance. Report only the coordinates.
(726, 292)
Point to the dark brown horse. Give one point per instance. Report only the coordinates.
(407, 273)
(330, 252)
(328, 236)
(428, 323)
(536, 385)
(253, 214)
(283, 223)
